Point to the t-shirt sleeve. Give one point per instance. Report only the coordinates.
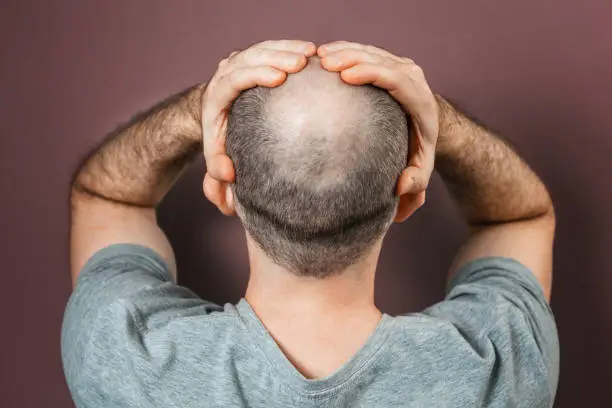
(498, 307)
(122, 293)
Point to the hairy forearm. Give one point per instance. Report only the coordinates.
(485, 176)
(139, 162)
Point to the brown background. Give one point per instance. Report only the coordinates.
(539, 71)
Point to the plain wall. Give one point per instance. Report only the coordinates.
(70, 71)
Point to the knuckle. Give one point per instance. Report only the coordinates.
(232, 78)
(217, 82)
(222, 63)
(244, 56)
(247, 54)
(392, 66)
(227, 60)
(417, 69)
(371, 48)
(293, 59)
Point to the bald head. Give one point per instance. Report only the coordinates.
(317, 161)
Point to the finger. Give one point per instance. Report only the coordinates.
(225, 61)
(378, 75)
(346, 58)
(405, 89)
(219, 165)
(229, 201)
(228, 87)
(213, 189)
(415, 177)
(219, 193)
(214, 114)
(307, 48)
(326, 49)
(283, 60)
(335, 46)
(412, 180)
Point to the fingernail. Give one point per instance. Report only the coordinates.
(310, 47)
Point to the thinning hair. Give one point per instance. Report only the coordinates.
(317, 163)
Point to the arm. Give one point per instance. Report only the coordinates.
(506, 205)
(114, 194)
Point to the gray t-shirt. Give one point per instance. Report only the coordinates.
(133, 338)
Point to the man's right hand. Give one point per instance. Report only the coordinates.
(404, 80)
(263, 64)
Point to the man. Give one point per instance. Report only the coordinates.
(317, 155)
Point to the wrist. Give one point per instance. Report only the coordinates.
(450, 136)
(192, 107)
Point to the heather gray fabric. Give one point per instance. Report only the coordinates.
(133, 338)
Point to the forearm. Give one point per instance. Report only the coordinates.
(139, 162)
(487, 179)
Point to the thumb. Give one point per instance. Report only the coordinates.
(412, 180)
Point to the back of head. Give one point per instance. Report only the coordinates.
(317, 162)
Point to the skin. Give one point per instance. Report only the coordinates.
(315, 104)
(505, 204)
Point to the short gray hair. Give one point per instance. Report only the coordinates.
(316, 203)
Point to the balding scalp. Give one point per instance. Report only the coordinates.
(317, 162)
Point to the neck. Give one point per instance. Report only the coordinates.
(279, 295)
